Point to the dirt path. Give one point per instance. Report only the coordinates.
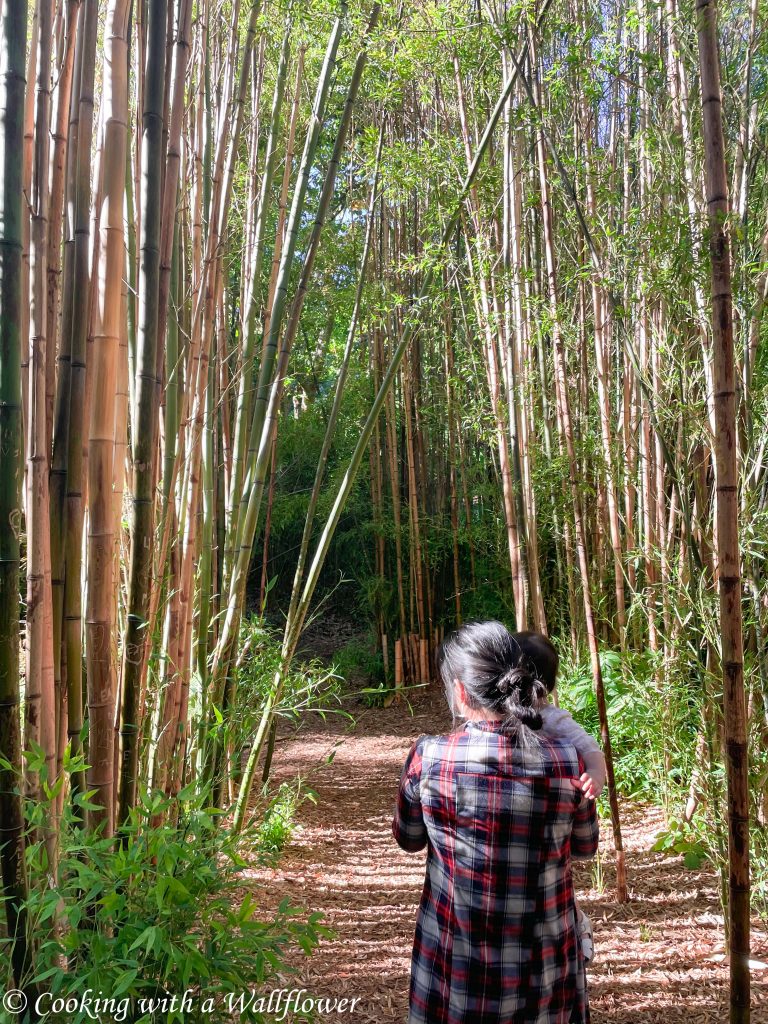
(656, 957)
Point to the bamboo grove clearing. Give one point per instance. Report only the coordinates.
(412, 313)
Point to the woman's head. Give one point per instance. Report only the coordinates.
(496, 675)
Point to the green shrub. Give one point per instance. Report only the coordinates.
(165, 911)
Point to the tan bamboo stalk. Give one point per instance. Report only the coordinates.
(418, 625)
(727, 512)
(452, 451)
(394, 487)
(519, 351)
(101, 668)
(486, 314)
(602, 318)
(13, 35)
(40, 704)
(377, 498)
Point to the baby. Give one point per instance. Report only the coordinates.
(557, 722)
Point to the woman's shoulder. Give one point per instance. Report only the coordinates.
(437, 746)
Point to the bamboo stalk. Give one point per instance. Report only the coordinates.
(101, 668)
(727, 511)
(147, 407)
(13, 35)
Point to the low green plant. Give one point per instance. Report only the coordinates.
(680, 837)
(279, 821)
(162, 911)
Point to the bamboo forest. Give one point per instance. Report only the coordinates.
(327, 328)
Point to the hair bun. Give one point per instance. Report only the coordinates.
(513, 679)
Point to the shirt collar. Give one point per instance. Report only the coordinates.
(500, 725)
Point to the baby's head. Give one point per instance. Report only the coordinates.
(541, 654)
(495, 674)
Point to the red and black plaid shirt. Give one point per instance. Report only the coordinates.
(496, 937)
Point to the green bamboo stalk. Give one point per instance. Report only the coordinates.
(61, 157)
(13, 37)
(330, 430)
(251, 494)
(251, 306)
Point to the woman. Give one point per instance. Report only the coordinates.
(501, 811)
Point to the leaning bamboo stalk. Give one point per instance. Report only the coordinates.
(257, 449)
(727, 511)
(245, 788)
(13, 33)
(251, 305)
(294, 628)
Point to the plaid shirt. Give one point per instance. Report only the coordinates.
(496, 939)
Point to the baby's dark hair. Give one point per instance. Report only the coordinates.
(541, 653)
(496, 673)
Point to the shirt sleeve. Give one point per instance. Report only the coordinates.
(408, 826)
(586, 831)
(594, 765)
(558, 723)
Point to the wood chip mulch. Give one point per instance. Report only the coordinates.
(659, 958)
